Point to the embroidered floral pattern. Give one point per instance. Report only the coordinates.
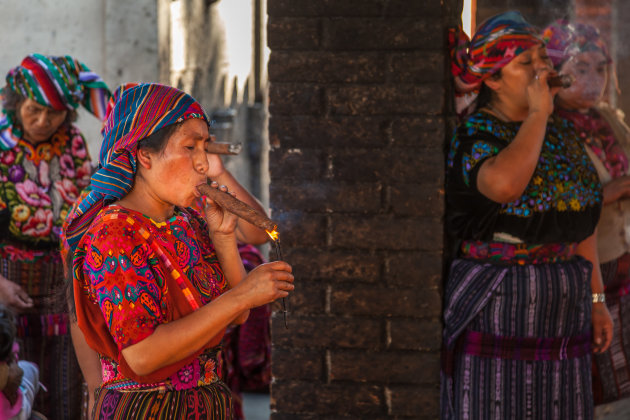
(40, 183)
(564, 179)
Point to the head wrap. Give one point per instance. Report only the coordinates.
(565, 40)
(135, 112)
(61, 83)
(497, 41)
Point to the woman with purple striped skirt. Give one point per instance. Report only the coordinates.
(523, 299)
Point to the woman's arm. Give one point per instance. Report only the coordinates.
(183, 337)
(601, 319)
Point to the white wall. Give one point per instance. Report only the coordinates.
(115, 38)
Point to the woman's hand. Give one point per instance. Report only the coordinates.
(616, 189)
(220, 221)
(12, 295)
(539, 95)
(266, 283)
(602, 327)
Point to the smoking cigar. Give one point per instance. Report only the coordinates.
(223, 148)
(237, 207)
(560, 80)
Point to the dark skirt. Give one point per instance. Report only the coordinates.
(494, 378)
(44, 334)
(212, 402)
(611, 370)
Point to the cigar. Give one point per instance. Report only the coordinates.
(237, 207)
(561, 80)
(223, 148)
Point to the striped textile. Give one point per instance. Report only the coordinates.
(43, 331)
(58, 82)
(611, 369)
(550, 301)
(201, 403)
(135, 112)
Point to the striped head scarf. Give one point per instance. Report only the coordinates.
(565, 40)
(497, 41)
(61, 83)
(135, 112)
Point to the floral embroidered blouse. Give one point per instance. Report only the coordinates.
(126, 259)
(38, 186)
(561, 203)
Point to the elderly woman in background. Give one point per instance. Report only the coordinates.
(44, 164)
(579, 50)
(522, 299)
(156, 284)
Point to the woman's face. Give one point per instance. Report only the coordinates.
(518, 74)
(590, 70)
(182, 165)
(39, 122)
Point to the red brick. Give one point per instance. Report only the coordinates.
(385, 232)
(418, 402)
(289, 165)
(327, 196)
(327, 400)
(428, 132)
(329, 332)
(295, 99)
(326, 67)
(423, 268)
(392, 165)
(321, 132)
(414, 334)
(386, 99)
(293, 363)
(293, 33)
(382, 34)
(325, 8)
(339, 265)
(385, 302)
(417, 67)
(297, 230)
(417, 199)
(384, 367)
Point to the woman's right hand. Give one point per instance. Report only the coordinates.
(616, 189)
(266, 283)
(12, 295)
(539, 94)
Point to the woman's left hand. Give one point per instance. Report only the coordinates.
(602, 327)
(220, 221)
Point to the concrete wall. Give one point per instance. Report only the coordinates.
(115, 38)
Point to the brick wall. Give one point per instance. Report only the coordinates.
(357, 131)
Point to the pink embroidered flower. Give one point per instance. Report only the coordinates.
(39, 225)
(78, 147)
(8, 157)
(107, 370)
(32, 194)
(84, 172)
(69, 192)
(187, 377)
(67, 166)
(44, 172)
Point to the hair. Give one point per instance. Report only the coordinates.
(157, 141)
(7, 332)
(12, 101)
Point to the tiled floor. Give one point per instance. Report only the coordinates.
(619, 410)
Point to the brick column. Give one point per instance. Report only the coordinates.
(357, 133)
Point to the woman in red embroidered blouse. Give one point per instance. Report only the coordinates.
(155, 283)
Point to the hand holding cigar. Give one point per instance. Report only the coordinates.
(560, 80)
(219, 148)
